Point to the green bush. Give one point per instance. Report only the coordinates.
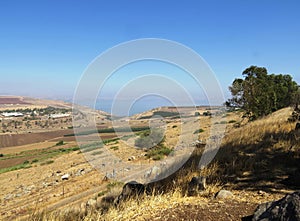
(111, 140)
(1, 155)
(47, 162)
(114, 148)
(59, 143)
(75, 148)
(158, 152)
(199, 131)
(150, 139)
(231, 121)
(157, 157)
(207, 113)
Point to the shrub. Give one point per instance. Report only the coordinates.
(197, 114)
(231, 121)
(113, 184)
(111, 140)
(102, 193)
(159, 152)
(150, 139)
(207, 113)
(158, 157)
(199, 131)
(47, 162)
(26, 162)
(34, 161)
(1, 155)
(114, 148)
(75, 148)
(59, 143)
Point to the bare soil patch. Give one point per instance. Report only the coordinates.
(212, 211)
(9, 140)
(11, 100)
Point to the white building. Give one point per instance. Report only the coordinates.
(12, 114)
(54, 116)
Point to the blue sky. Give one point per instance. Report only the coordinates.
(45, 46)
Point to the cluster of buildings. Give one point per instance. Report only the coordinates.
(12, 114)
(19, 114)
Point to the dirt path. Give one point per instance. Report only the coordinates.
(213, 211)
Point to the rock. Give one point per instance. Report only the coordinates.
(80, 172)
(200, 143)
(262, 193)
(65, 176)
(132, 158)
(111, 175)
(45, 184)
(224, 194)
(105, 178)
(152, 173)
(131, 189)
(91, 203)
(83, 206)
(155, 170)
(195, 185)
(287, 208)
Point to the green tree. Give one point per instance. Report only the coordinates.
(260, 94)
(296, 99)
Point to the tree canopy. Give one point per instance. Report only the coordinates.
(260, 93)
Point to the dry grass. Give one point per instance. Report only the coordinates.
(275, 124)
(247, 161)
(252, 153)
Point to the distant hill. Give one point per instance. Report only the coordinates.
(20, 102)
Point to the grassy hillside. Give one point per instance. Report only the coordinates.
(255, 158)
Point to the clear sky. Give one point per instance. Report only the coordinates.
(45, 45)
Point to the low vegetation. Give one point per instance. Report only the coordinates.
(153, 143)
(16, 167)
(252, 152)
(60, 143)
(41, 156)
(149, 139)
(114, 148)
(198, 131)
(158, 152)
(108, 130)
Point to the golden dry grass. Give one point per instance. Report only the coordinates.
(249, 153)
